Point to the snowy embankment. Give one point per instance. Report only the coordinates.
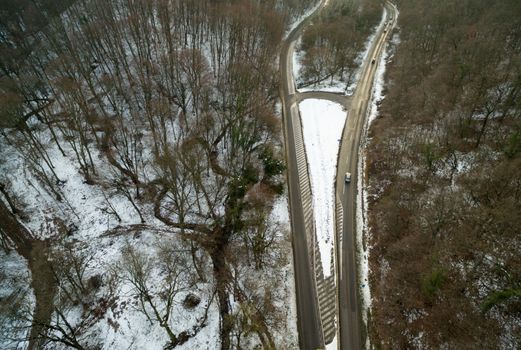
(286, 336)
(322, 124)
(336, 85)
(362, 230)
(333, 345)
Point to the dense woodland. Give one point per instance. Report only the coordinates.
(444, 168)
(166, 111)
(165, 106)
(332, 44)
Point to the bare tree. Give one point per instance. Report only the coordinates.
(157, 302)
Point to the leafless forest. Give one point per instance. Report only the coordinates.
(141, 160)
(169, 107)
(331, 45)
(445, 180)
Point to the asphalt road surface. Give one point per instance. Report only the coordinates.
(309, 326)
(350, 318)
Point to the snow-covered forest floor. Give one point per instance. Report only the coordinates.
(101, 223)
(443, 168)
(329, 55)
(150, 171)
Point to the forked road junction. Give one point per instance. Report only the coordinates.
(311, 334)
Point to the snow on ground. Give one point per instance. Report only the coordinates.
(280, 212)
(15, 282)
(363, 55)
(333, 345)
(299, 19)
(322, 124)
(361, 200)
(297, 59)
(124, 326)
(84, 205)
(99, 233)
(287, 338)
(336, 85)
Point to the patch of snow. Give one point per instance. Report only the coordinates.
(84, 206)
(362, 229)
(301, 18)
(322, 124)
(296, 58)
(327, 86)
(15, 278)
(278, 109)
(333, 345)
(129, 328)
(363, 55)
(417, 340)
(280, 212)
(378, 86)
(338, 86)
(288, 337)
(125, 326)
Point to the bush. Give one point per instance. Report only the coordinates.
(433, 282)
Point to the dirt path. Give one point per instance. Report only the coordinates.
(43, 282)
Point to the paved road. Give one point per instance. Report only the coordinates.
(311, 334)
(349, 313)
(309, 326)
(330, 96)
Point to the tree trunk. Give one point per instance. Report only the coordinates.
(8, 198)
(221, 276)
(44, 286)
(43, 283)
(195, 262)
